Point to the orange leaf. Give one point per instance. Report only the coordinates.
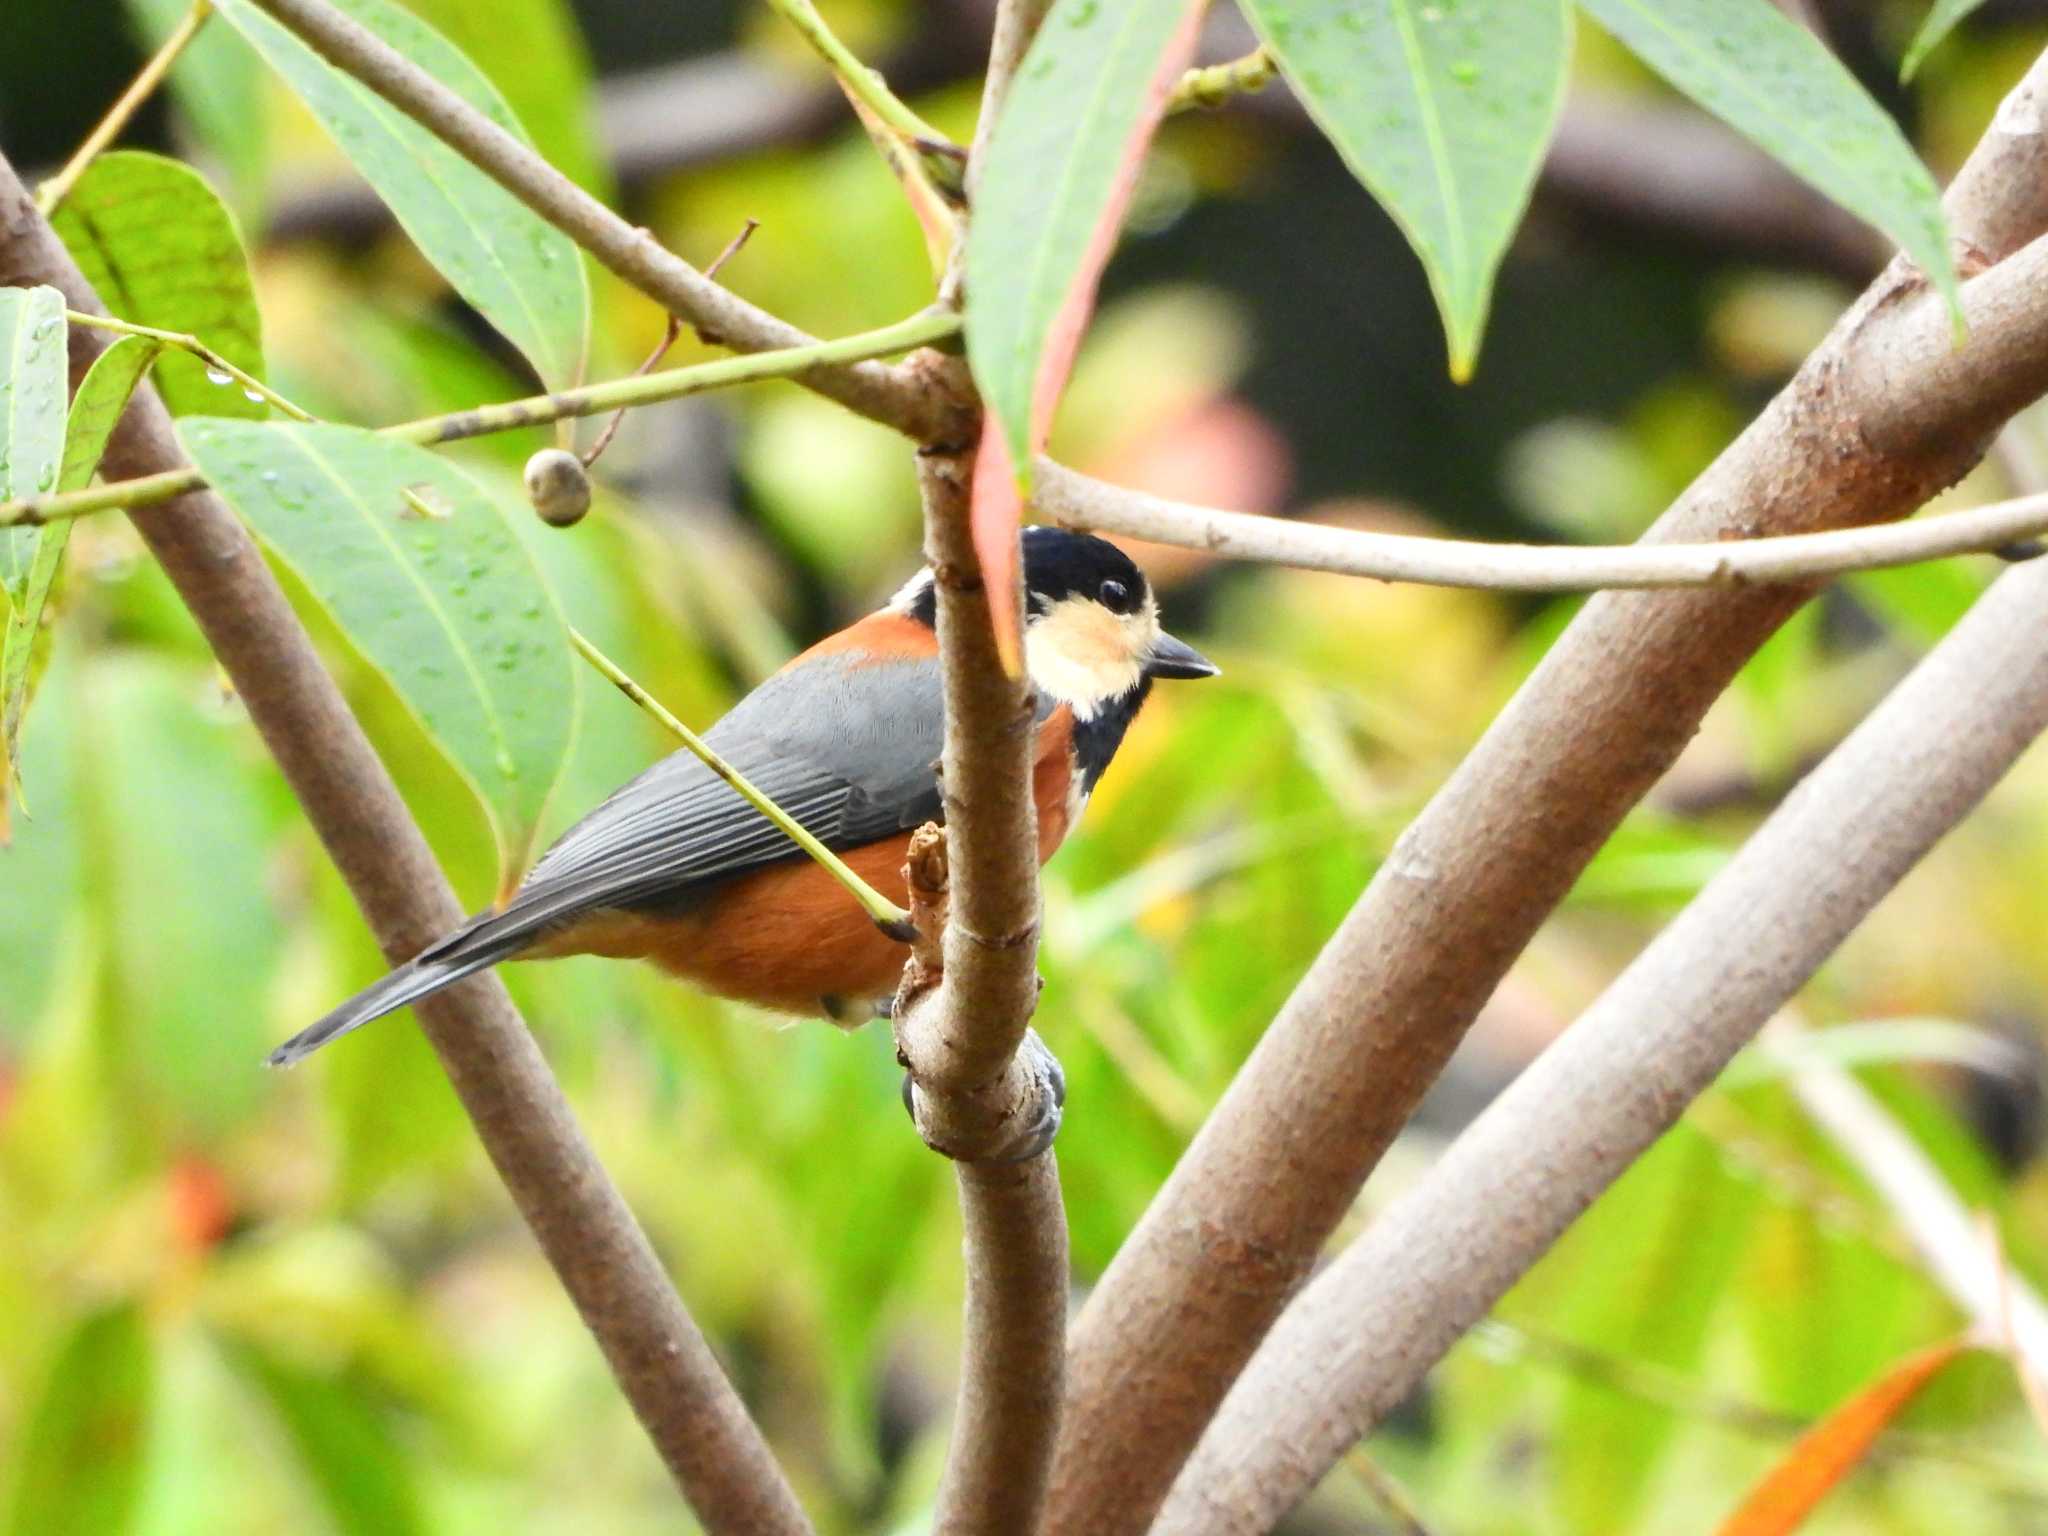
(997, 508)
(1826, 1453)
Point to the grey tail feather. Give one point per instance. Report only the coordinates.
(441, 964)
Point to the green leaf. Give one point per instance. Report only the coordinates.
(1061, 164)
(1443, 111)
(1942, 18)
(217, 83)
(521, 274)
(32, 379)
(102, 397)
(79, 1461)
(452, 610)
(161, 249)
(354, 1462)
(1769, 78)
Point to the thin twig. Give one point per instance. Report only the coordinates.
(895, 397)
(1217, 83)
(1076, 501)
(1364, 1333)
(610, 430)
(663, 1363)
(939, 154)
(670, 332)
(1387, 1491)
(53, 192)
(1886, 412)
(478, 421)
(890, 918)
(185, 342)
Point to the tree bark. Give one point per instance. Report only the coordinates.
(1884, 414)
(1364, 1334)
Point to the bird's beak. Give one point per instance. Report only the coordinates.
(1175, 658)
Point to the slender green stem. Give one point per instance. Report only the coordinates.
(58, 187)
(1215, 85)
(591, 400)
(645, 389)
(944, 160)
(889, 917)
(185, 342)
(221, 371)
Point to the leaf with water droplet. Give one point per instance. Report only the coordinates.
(1766, 76)
(32, 387)
(397, 607)
(161, 249)
(479, 236)
(35, 447)
(1388, 81)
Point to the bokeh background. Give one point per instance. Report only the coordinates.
(233, 1301)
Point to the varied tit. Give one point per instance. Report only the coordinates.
(678, 869)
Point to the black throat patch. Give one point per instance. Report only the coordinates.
(1096, 740)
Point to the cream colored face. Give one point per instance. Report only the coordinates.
(1083, 655)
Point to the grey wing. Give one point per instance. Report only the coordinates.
(849, 747)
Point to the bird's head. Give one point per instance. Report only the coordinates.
(1092, 639)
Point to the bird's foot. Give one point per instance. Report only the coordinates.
(1034, 1120)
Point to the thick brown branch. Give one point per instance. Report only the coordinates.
(663, 1363)
(975, 1095)
(1881, 416)
(893, 396)
(1363, 1335)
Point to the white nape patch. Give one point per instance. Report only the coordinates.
(907, 595)
(1083, 655)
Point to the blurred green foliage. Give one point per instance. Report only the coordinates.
(236, 1302)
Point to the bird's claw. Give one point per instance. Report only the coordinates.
(1048, 1101)
(1039, 1123)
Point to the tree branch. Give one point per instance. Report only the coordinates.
(663, 1364)
(1364, 1334)
(1883, 414)
(973, 1092)
(1075, 500)
(895, 397)
(510, 415)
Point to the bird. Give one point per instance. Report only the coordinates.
(675, 867)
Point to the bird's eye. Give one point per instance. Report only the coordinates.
(1116, 597)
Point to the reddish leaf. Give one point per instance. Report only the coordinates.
(1062, 165)
(997, 509)
(1824, 1455)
